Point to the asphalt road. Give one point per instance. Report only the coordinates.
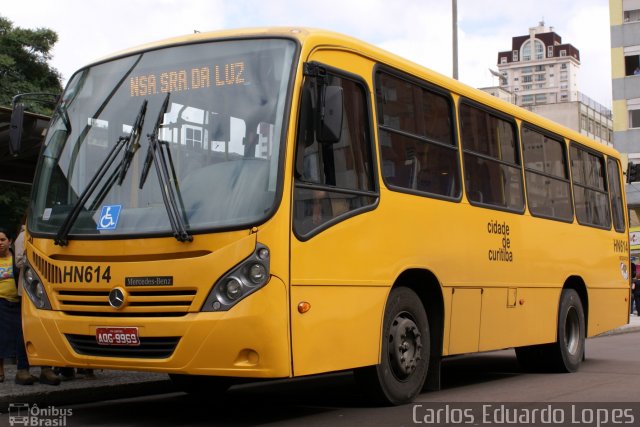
(605, 386)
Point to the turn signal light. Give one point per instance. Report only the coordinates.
(303, 307)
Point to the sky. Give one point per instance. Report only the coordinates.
(419, 30)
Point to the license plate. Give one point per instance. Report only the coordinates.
(117, 336)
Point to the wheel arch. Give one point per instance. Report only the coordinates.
(577, 284)
(424, 283)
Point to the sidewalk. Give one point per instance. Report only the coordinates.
(120, 384)
(108, 385)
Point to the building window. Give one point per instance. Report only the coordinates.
(632, 15)
(515, 56)
(527, 79)
(538, 48)
(503, 60)
(549, 51)
(541, 77)
(634, 118)
(527, 99)
(583, 122)
(526, 87)
(539, 68)
(563, 66)
(541, 98)
(632, 65)
(563, 53)
(527, 70)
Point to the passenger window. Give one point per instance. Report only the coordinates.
(332, 180)
(492, 172)
(589, 188)
(547, 175)
(615, 191)
(416, 137)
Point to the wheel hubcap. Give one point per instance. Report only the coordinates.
(405, 346)
(572, 331)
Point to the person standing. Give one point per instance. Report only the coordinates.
(636, 295)
(47, 375)
(11, 338)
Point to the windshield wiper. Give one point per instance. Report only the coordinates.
(133, 143)
(63, 232)
(158, 152)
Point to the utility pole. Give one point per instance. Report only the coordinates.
(454, 29)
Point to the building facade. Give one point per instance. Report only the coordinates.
(540, 73)
(624, 16)
(625, 72)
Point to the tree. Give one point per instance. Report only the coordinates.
(24, 67)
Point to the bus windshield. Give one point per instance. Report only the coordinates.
(209, 115)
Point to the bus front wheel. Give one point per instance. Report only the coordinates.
(405, 352)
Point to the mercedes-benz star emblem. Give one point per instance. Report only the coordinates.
(116, 298)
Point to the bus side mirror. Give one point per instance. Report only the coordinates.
(15, 130)
(330, 114)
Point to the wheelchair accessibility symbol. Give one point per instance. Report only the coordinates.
(109, 217)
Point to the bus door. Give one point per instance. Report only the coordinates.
(336, 309)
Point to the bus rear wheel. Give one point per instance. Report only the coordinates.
(405, 352)
(565, 355)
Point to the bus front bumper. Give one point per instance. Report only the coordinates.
(250, 340)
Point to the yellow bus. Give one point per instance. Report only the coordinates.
(277, 203)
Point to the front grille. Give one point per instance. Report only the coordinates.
(52, 273)
(174, 302)
(149, 348)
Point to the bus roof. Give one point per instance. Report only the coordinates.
(319, 37)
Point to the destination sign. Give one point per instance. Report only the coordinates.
(187, 79)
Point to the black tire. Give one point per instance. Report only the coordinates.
(405, 352)
(201, 385)
(567, 353)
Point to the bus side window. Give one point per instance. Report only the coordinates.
(331, 177)
(590, 187)
(492, 172)
(615, 191)
(547, 175)
(415, 129)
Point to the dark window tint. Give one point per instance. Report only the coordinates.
(615, 190)
(492, 172)
(548, 186)
(589, 188)
(332, 179)
(416, 137)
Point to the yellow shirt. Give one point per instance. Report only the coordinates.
(8, 289)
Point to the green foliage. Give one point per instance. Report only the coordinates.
(24, 67)
(14, 200)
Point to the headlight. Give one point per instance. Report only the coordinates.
(34, 288)
(243, 280)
